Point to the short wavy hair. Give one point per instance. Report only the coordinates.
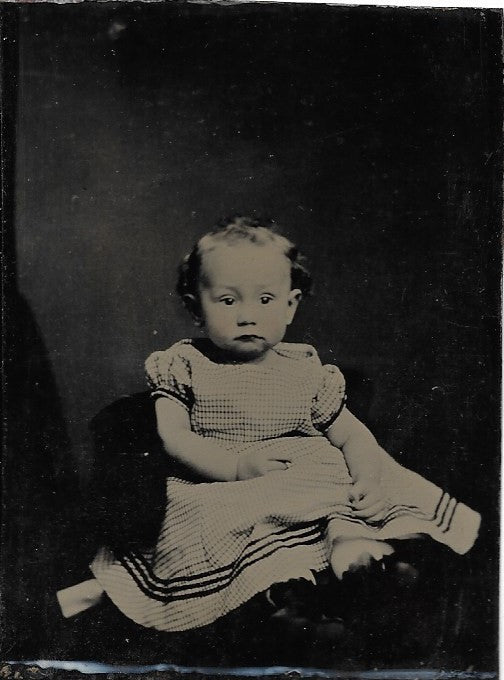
(233, 230)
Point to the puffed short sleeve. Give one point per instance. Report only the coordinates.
(169, 375)
(330, 397)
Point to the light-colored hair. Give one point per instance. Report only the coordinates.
(235, 230)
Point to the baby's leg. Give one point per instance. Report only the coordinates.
(353, 553)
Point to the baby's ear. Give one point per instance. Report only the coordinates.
(293, 300)
(192, 304)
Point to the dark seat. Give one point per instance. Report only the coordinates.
(129, 487)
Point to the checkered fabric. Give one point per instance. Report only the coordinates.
(247, 402)
(223, 542)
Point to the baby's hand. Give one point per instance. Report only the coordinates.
(259, 463)
(368, 500)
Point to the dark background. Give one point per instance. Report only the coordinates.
(373, 135)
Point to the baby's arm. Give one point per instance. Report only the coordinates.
(204, 455)
(359, 447)
(363, 457)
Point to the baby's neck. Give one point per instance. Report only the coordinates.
(268, 358)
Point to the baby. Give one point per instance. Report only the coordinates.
(291, 480)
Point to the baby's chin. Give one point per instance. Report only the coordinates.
(248, 352)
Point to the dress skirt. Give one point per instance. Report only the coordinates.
(221, 543)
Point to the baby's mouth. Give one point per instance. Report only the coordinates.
(249, 338)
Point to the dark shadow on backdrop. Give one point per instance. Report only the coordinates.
(40, 487)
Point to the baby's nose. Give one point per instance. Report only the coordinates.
(245, 315)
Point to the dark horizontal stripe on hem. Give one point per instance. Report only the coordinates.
(441, 520)
(447, 528)
(287, 533)
(436, 509)
(202, 593)
(253, 546)
(193, 591)
(227, 573)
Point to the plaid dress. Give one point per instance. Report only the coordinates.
(223, 542)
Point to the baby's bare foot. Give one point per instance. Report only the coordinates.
(353, 554)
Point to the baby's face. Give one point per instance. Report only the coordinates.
(246, 298)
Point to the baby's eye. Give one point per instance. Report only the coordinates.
(265, 299)
(227, 300)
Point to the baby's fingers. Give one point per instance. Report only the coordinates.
(277, 465)
(375, 511)
(283, 459)
(360, 490)
(367, 501)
